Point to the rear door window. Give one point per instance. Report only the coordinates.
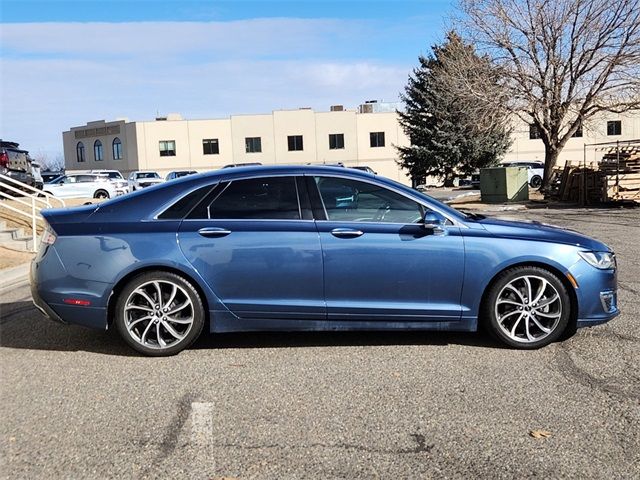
(267, 198)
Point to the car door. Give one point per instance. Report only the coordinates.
(65, 188)
(380, 261)
(258, 249)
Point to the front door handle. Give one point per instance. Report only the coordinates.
(346, 232)
(214, 232)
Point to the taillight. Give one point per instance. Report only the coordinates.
(49, 236)
(4, 160)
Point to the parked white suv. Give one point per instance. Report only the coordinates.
(122, 186)
(141, 179)
(81, 185)
(534, 169)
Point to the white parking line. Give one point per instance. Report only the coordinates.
(201, 423)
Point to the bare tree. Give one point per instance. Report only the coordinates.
(563, 61)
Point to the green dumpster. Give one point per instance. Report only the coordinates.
(504, 184)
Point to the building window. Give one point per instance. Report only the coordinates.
(376, 139)
(336, 141)
(253, 144)
(578, 132)
(117, 149)
(534, 133)
(80, 152)
(614, 127)
(167, 148)
(97, 151)
(210, 146)
(295, 143)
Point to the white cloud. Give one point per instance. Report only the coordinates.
(55, 76)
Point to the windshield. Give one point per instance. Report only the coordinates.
(147, 175)
(115, 175)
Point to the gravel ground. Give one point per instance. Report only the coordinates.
(76, 403)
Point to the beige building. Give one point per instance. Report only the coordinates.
(604, 128)
(366, 137)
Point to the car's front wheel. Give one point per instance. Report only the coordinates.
(159, 313)
(536, 181)
(101, 194)
(527, 307)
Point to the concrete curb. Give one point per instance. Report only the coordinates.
(11, 278)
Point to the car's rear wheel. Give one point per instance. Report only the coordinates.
(159, 313)
(527, 307)
(536, 181)
(101, 194)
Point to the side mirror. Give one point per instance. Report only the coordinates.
(433, 221)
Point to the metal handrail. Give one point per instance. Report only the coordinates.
(22, 187)
(36, 197)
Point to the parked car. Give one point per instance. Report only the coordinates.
(535, 171)
(15, 163)
(81, 185)
(364, 168)
(49, 176)
(179, 174)
(300, 248)
(38, 181)
(249, 164)
(122, 185)
(142, 179)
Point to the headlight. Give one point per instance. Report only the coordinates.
(601, 260)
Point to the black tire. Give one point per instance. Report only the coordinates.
(536, 181)
(188, 291)
(101, 194)
(489, 317)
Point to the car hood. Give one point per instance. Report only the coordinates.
(533, 230)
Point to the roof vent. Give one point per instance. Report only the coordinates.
(336, 108)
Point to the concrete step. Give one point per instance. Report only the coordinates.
(23, 244)
(11, 233)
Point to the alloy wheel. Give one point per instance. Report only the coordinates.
(528, 309)
(158, 314)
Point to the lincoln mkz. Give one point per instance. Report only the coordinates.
(312, 248)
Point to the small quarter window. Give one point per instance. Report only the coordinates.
(182, 207)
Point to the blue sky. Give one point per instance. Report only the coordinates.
(64, 63)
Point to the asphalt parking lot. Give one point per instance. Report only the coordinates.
(76, 403)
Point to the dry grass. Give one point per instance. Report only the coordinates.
(13, 258)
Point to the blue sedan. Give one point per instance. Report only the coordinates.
(312, 248)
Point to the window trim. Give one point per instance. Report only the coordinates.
(310, 189)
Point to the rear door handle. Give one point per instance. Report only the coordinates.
(346, 232)
(214, 232)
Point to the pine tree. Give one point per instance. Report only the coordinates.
(450, 133)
